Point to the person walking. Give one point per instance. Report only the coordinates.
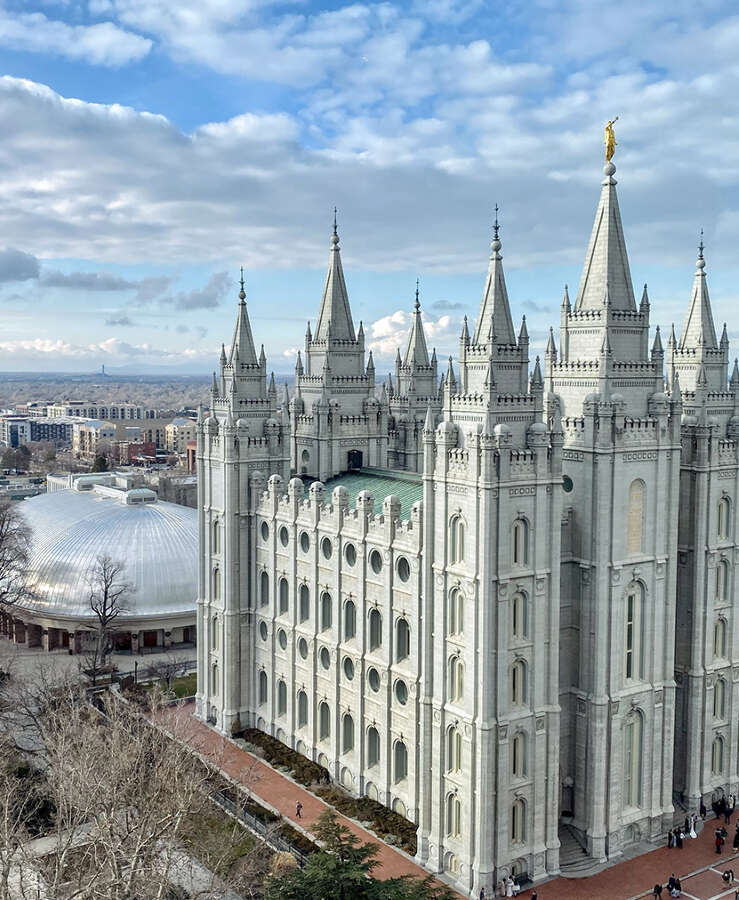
(718, 840)
(677, 889)
(670, 839)
(482, 893)
(657, 890)
(693, 820)
(735, 842)
(702, 810)
(679, 838)
(671, 881)
(299, 809)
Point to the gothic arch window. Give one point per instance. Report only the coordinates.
(216, 583)
(724, 518)
(324, 722)
(518, 755)
(264, 589)
(633, 632)
(719, 699)
(519, 615)
(347, 734)
(214, 633)
(262, 687)
(520, 538)
(281, 698)
(635, 517)
(283, 595)
(722, 581)
(373, 746)
(402, 640)
(302, 709)
(350, 620)
(456, 539)
(717, 755)
(453, 816)
(375, 629)
(456, 611)
(216, 536)
(453, 750)
(304, 599)
(719, 638)
(456, 679)
(633, 740)
(400, 758)
(519, 683)
(325, 611)
(518, 821)
(214, 679)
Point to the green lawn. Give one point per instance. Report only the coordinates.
(184, 686)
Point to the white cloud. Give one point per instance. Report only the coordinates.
(110, 348)
(390, 332)
(102, 44)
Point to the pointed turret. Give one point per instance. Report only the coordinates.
(734, 381)
(724, 342)
(334, 317)
(566, 305)
(537, 380)
(416, 348)
(494, 320)
(390, 389)
(214, 386)
(644, 304)
(242, 338)
(551, 348)
(272, 389)
(451, 381)
(428, 425)
(222, 359)
(465, 336)
(370, 367)
(699, 329)
(606, 275)
(672, 339)
(262, 357)
(299, 365)
(523, 334)
(657, 345)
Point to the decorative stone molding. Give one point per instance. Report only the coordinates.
(541, 722)
(615, 575)
(613, 707)
(582, 707)
(502, 733)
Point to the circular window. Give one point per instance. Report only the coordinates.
(348, 668)
(327, 548)
(304, 541)
(350, 554)
(282, 638)
(284, 536)
(263, 630)
(265, 531)
(373, 676)
(401, 692)
(376, 562)
(567, 484)
(325, 658)
(404, 569)
(303, 648)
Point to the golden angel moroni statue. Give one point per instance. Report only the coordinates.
(609, 139)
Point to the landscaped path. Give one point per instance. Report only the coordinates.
(697, 865)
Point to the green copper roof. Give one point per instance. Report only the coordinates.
(406, 486)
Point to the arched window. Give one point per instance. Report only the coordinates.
(717, 755)
(347, 734)
(453, 816)
(375, 629)
(635, 517)
(304, 594)
(401, 761)
(216, 536)
(264, 589)
(456, 539)
(519, 616)
(719, 699)
(214, 633)
(324, 722)
(633, 728)
(456, 611)
(456, 679)
(722, 581)
(518, 754)
(724, 513)
(453, 750)
(216, 583)
(302, 709)
(520, 542)
(214, 679)
(262, 687)
(373, 746)
(518, 821)
(402, 640)
(719, 638)
(519, 687)
(283, 595)
(325, 610)
(281, 698)
(633, 631)
(350, 620)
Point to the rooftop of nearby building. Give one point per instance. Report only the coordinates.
(380, 483)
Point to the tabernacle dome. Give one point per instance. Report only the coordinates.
(155, 542)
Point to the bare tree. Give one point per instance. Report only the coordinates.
(169, 668)
(15, 551)
(108, 590)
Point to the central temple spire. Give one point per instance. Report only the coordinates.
(416, 350)
(334, 317)
(494, 321)
(606, 277)
(242, 345)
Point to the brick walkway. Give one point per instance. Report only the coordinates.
(697, 864)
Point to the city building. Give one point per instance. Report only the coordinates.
(501, 604)
(89, 410)
(179, 431)
(14, 431)
(92, 437)
(58, 431)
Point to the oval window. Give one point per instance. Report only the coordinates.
(404, 569)
(373, 677)
(348, 668)
(350, 554)
(284, 536)
(567, 484)
(265, 531)
(401, 692)
(325, 658)
(303, 648)
(304, 541)
(376, 562)
(282, 638)
(327, 548)
(263, 630)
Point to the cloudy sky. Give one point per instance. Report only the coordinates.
(150, 148)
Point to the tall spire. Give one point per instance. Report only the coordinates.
(416, 349)
(242, 339)
(606, 271)
(334, 314)
(495, 311)
(699, 328)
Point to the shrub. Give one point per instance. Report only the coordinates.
(282, 757)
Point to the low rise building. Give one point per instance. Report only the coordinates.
(89, 438)
(179, 432)
(14, 431)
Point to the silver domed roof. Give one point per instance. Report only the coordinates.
(155, 542)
